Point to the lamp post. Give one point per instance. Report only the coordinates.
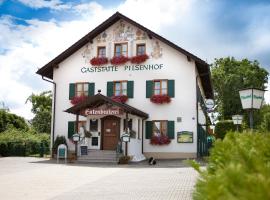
(237, 120)
(76, 139)
(251, 98)
(126, 139)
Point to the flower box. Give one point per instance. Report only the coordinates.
(121, 98)
(96, 61)
(160, 140)
(160, 99)
(139, 59)
(119, 60)
(77, 100)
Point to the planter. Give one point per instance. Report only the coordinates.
(121, 98)
(119, 60)
(124, 160)
(160, 99)
(139, 59)
(96, 61)
(77, 100)
(160, 140)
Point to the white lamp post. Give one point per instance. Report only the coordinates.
(76, 139)
(251, 98)
(237, 120)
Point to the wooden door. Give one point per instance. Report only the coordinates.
(110, 132)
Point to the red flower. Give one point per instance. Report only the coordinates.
(160, 99)
(119, 60)
(77, 100)
(139, 59)
(121, 98)
(99, 61)
(160, 140)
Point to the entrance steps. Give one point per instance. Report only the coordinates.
(99, 156)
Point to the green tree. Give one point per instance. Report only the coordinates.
(229, 76)
(41, 107)
(11, 120)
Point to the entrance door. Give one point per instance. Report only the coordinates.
(110, 132)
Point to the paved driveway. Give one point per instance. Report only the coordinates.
(38, 179)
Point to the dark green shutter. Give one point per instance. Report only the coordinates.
(91, 89)
(148, 129)
(170, 128)
(171, 88)
(71, 128)
(130, 89)
(149, 89)
(109, 89)
(71, 90)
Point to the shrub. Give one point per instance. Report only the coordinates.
(222, 127)
(238, 168)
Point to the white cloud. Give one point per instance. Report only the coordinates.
(52, 4)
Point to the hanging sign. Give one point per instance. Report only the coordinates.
(209, 103)
(103, 111)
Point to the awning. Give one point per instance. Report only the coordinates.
(99, 100)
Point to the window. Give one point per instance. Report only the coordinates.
(93, 125)
(101, 52)
(159, 128)
(160, 87)
(81, 89)
(140, 49)
(121, 49)
(120, 88)
(129, 124)
(81, 126)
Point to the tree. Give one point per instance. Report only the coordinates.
(41, 107)
(11, 120)
(229, 76)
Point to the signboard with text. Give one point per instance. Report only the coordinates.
(103, 111)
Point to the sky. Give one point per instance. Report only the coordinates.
(33, 32)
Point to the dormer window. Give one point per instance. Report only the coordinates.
(101, 52)
(121, 50)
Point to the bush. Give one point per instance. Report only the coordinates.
(59, 140)
(14, 142)
(222, 127)
(238, 168)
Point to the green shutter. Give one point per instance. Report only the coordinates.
(148, 129)
(149, 89)
(71, 128)
(91, 89)
(130, 89)
(170, 128)
(109, 88)
(71, 90)
(171, 88)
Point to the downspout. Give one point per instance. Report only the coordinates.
(53, 122)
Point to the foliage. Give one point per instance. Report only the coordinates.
(124, 160)
(222, 127)
(139, 59)
(160, 140)
(11, 120)
(160, 99)
(229, 76)
(238, 169)
(119, 60)
(78, 99)
(41, 107)
(97, 61)
(120, 98)
(59, 140)
(15, 142)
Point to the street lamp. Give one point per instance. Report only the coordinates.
(237, 120)
(76, 139)
(251, 98)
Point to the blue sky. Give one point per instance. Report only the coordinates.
(35, 31)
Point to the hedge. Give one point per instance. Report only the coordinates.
(222, 127)
(14, 142)
(238, 169)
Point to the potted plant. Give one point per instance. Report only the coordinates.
(160, 140)
(124, 160)
(160, 99)
(97, 61)
(119, 60)
(120, 98)
(139, 59)
(77, 99)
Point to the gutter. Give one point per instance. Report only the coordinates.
(53, 117)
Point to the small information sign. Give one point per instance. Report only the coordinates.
(185, 137)
(84, 150)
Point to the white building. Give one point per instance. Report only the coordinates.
(164, 87)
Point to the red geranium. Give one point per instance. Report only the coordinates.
(97, 61)
(121, 98)
(160, 140)
(139, 59)
(160, 99)
(119, 60)
(78, 99)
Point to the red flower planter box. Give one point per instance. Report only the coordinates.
(119, 60)
(121, 98)
(160, 99)
(77, 100)
(96, 61)
(139, 59)
(160, 140)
